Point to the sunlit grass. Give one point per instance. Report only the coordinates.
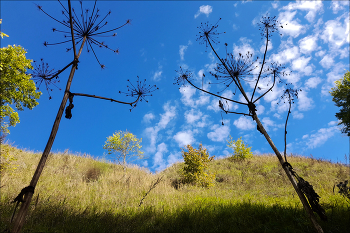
(76, 193)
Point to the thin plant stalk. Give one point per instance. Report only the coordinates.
(285, 130)
(260, 127)
(302, 198)
(21, 215)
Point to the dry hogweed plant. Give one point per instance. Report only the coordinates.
(242, 69)
(81, 29)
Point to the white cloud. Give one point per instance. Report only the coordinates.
(187, 99)
(170, 113)
(287, 52)
(267, 123)
(157, 75)
(335, 32)
(312, 82)
(308, 44)
(275, 4)
(327, 61)
(263, 47)
(158, 161)
(182, 51)
(331, 123)
(200, 73)
(311, 6)
(203, 122)
(319, 138)
(297, 115)
(184, 138)
(293, 77)
(193, 115)
(174, 158)
(148, 117)
(300, 64)
(320, 53)
(219, 132)
(152, 132)
(293, 28)
(260, 109)
(235, 27)
(304, 103)
(338, 5)
(277, 115)
(243, 48)
(186, 95)
(336, 73)
(227, 104)
(271, 96)
(204, 9)
(244, 123)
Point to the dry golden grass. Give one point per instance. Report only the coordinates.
(84, 185)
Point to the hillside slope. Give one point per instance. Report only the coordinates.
(79, 194)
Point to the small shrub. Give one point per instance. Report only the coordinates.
(92, 174)
(176, 183)
(240, 150)
(223, 178)
(196, 170)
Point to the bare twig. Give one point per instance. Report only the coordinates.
(104, 98)
(152, 186)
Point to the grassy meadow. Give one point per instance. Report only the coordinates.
(77, 193)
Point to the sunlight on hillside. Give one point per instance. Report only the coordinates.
(90, 192)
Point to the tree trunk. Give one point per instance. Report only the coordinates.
(20, 217)
(291, 177)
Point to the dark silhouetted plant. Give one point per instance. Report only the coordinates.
(232, 70)
(82, 29)
(344, 189)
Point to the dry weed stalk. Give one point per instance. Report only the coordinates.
(152, 186)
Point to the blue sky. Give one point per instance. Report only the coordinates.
(162, 37)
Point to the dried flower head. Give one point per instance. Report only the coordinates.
(85, 24)
(289, 95)
(268, 26)
(238, 68)
(277, 70)
(140, 90)
(43, 74)
(208, 32)
(182, 77)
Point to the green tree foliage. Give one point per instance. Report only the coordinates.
(240, 150)
(123, 144)
(341, 97)
(7, 159)
(1, 33)
(196, 170)
(16, 87)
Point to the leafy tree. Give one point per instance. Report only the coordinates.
(123, 144)
(341, 97)
(196, 170)
(240, 150)
(7, 159)
(16, 86)
(1, 33)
